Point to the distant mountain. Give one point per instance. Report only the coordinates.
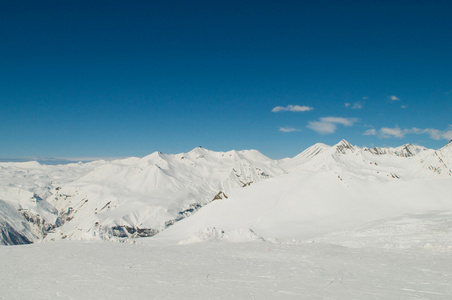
(140, 197)
(125, 198)
(327, 189)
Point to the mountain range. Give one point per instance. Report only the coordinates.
(234, 195)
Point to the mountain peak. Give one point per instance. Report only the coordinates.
(448, 146)
(408, 150)
(198, 149)
(343, 146)
(345, 143)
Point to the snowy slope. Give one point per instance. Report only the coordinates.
(396, 258)
(407, 161)
(333, 188)
(130, 197)
(431, 231)
(319, 190)
(25, 214)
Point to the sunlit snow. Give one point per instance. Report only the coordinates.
(339, 222)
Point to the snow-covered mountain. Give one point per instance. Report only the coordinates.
(140, 197)
(407, 161)
(328, 189)
(132, 197)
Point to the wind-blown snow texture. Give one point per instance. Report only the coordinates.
(338, 222)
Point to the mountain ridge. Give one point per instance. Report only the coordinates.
(137, 197)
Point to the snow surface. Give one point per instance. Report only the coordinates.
(215, 269)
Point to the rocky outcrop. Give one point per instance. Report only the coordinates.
(10, 236)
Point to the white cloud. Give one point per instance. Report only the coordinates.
(397, 132)
(288, 129)
(370, 132)
(329, 124)
(434, 133)
(415, 130)
(293, 108)
(322, 127)
(447, 135)
(404, 106)
(438, 134)
(392, 132)
(336, 120)
(394, 98)
(356, 105)
(365, 98)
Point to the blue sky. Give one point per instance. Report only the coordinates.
(126, 78)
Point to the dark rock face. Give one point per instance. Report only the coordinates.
(128, 231)
(9, 236)
(404, 152)
(36, 221)
(194, 207)
(222, 195)
(343, 146)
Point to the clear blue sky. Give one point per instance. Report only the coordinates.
(126, 78)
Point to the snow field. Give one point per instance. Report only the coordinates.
(222, 270)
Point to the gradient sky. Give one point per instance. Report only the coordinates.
(126, 78)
